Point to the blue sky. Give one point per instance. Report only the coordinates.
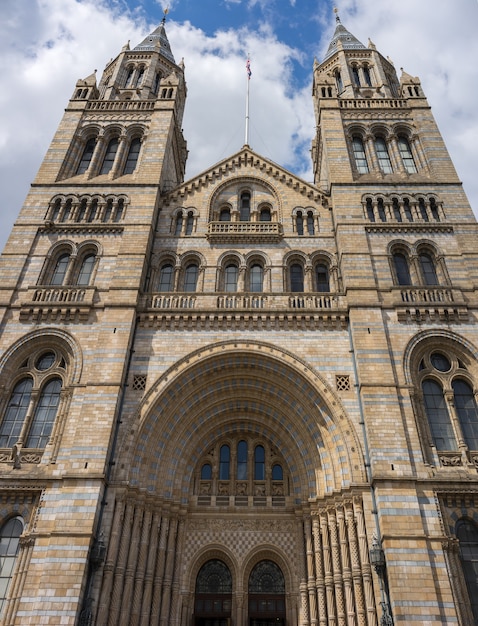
(47, 45)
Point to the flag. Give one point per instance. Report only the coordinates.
(248, 68)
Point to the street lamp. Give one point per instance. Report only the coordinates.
(377, 559)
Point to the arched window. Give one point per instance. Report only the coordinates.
(438, 416)
(44, 416)
(189, 223)
(277, 473)
(245, 207)
(206, 471)
(382, 155)
(9, 546)
(322, 277)
(434, 210)
(166, 275)
(408, 210)
(359, 155)
(60, 269)
(86, 270)
(265, 214)
(259, 463)
(231, 273)
(367, 76)
(310, 223)
(191, 277)
(406, 155)
(109, 156)
(402, 271)
(256, 278)
(213, 594)
(467, 411)
(296, 277)
(86, 156)
(15, 413)
(241, 473)
(93, 210)
(56, 210)
(299, 223)
(467, 534)
(266, 594)
(129, 77)
(381, 210)
(225, 215)
(338, 81)
(179, 224)
(356, 75)
(157, 80)
(370, 211)
(139, 77)
(396, 210)
(133, 155)
(108, 210)
(119, 210)
(427, 267)
(80, 216)
(224, 462)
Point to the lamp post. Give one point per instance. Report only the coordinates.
(377, 559)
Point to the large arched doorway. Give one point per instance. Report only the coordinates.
(213, 596)
(266, 595)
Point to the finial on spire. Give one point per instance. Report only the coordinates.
(337, 18)
(165, 11)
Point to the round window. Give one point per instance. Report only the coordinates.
(440, 362)
(45, 361)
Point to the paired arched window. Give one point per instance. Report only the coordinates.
(10, 533)
(424, 268)
(184, 223)
(451, 422)
(64, 269)
(29, 417)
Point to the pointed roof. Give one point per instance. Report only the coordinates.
(346, 39)
(157, 37)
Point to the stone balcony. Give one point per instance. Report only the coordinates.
(62, 303)
(228, 232)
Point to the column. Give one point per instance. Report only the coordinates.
(150, 568)
(319, 573)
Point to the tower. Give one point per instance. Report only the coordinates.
(241, 398)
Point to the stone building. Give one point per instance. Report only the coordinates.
(242, 399)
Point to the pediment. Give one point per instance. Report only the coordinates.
(246, 165)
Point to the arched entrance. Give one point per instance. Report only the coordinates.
(266, 595)
(213, 596)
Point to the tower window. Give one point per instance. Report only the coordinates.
(86, 269)
(190, 277)
(139, 78)
(427, 267)
(241, 473)
(15, 414)
(402, 271)
(256, 277)
(322, 277)
(406, 155)
(189, 223)
(166, 278)
(109, 156)
(259, 463)
(359, 155)
(310, 223)
(157, 80)
(299, 222)
(59, 271)
(224, 462)
(296, 277)
(45, 414)
(225, 215)
(245, 207)
(338, 81)
(396, 210)
(438, 416)
(133, 155)
(265, 214)
(86, 156)
(367, 77)
(230, 278)
(466, 408)
(356, 75)
(179, 224)
(9, 546)
(407, 209)
(381, 210)
(383, 156)
(129, 77)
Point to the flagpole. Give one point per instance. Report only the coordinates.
(248, 76)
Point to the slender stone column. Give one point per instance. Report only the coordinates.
(168, 573)
(139, 579)
(159, 573)
(328, 574)
(346, 569)
(337, 570)
(126, 599)
(319, 573)
(355, 566)
(366, 568)
(117, 592)
(310, 573)
(150, 567)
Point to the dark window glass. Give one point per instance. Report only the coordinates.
(133, 155)
(467, 535)
(322, 277)
(370, 212)
(277, 473)
(440, 362)
(139, 77)
(59, 271)
(428, 269)
(189, 223)
(366, 75)
(86, 156)
(265, 215)
(259, 463)
(423, 210)
(256, 278)
(214, 578)
(356, 75)
(15, 413)
(299, 220)
(383, 156)
(245, 207)
(166, 278)
(296, 277)
(206, 472)
(242, 460)
(406, 154)
(224, 462)
(225, 215)
(230, 278)
(381, 210)
(86, 270)
(191, 277)
(108, 211)
(310, 223)
(434, 210)
(45, 361)
(129, 77)
(408, 210)
(396, 210)
(465, 405)
(179, 224)
(359, 155)
(45, 414)
(9, 546)
(401, 269)
(338, 82)
(109, 156)
(438, 416)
